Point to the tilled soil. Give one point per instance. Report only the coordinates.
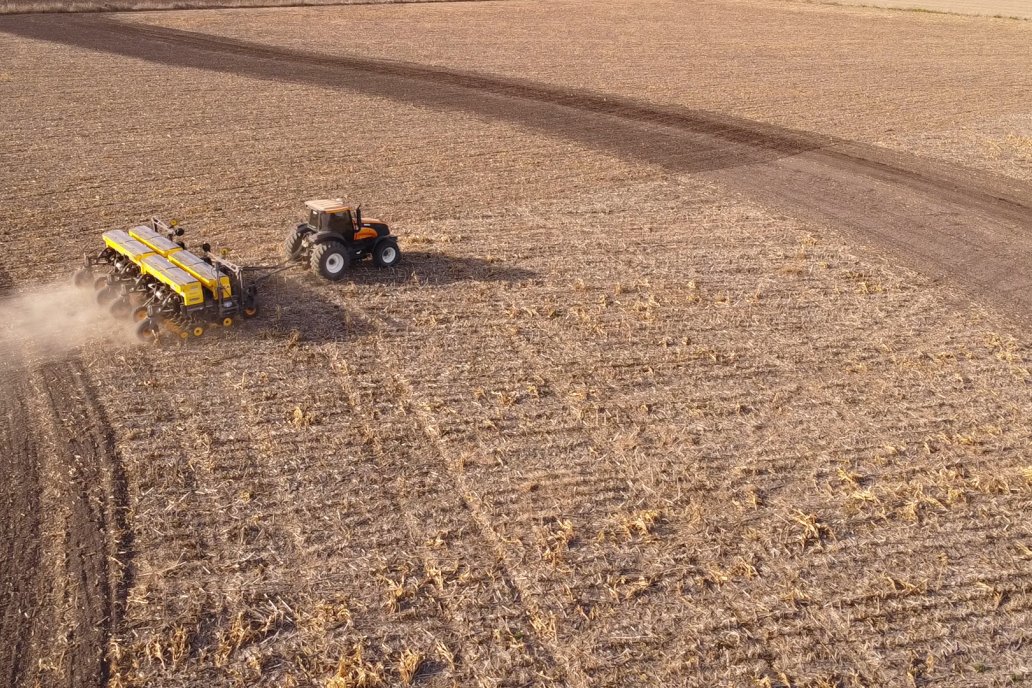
(630, 413)
(962, 225)
(32, 6)
(20, 598)
(64, 528)
(992, 8)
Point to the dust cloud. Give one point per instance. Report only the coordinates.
(53, 320)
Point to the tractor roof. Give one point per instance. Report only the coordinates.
(327, 205)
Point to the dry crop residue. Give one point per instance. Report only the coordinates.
(610, 423)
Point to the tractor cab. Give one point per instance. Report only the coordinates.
(333, 216)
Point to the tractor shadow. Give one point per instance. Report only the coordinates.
(432, 269)
(298, 306)
(295, 309)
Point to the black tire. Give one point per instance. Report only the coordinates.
(106, 295)
(292, 245)
(147, 330)
(82, 277)
(330, 260)
(386, 254)
(121, 308)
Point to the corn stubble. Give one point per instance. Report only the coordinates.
(605, 426)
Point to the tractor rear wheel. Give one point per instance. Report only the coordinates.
(292, 245)
(330, 260)
(386, 254)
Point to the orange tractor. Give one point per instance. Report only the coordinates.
(334, 235)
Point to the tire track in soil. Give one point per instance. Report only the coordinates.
(96, 535)
(64, 515)
(965, 226)
(432, 502)
(534, 614)
(21, 588)
(609, 490)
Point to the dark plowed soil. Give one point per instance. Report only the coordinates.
(66, 544)
(20, 587)
(968, 227)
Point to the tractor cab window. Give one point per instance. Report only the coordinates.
(341, 222)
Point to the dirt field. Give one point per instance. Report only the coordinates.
(49, 6)
(989, 8)
(706, 365)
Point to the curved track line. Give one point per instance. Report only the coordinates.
(972, 228)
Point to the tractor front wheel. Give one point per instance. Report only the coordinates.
(330, 260)
(386, 254)
(292, 245)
